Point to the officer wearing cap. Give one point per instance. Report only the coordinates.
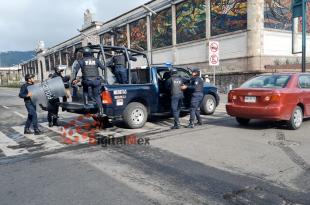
(53, 105)
(196, 88)
(121, 74)
(30, 106)
(174, 84)
(90, 76)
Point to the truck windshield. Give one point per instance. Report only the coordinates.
(267, 81)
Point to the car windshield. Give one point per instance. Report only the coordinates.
(267, 81)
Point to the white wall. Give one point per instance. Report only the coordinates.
(279, 43)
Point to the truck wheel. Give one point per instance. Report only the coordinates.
(208, 105)
(296, 118)
(135, 115)
(242, 121)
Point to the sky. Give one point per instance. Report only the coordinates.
(24, 22)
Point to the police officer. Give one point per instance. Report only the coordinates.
(53, 105)
(30, 106)
(174, 84)
(196, 88)
(121, 72)
(90, 76)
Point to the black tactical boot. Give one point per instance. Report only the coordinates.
(175, 126)
(27, 131)
(38, 132)
(55, 121)
(50, 124)
(199, 122)
(190, 125)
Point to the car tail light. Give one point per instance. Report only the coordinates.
(106, 97)
(231, 97)
(272, 98)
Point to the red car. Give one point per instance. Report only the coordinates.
(277, 97)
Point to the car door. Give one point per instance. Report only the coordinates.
(304, 85)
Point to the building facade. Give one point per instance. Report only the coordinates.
(254, 36)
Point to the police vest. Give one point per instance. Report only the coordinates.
(90, 68)
(176, 83)
(197, 83)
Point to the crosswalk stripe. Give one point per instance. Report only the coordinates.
(47, 142)
(5, 142)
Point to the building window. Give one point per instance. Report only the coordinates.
(191, 20)
(228, 16)
(106, 39)
(162, 29)
(52, 62)
(63, 57)
(57, 58)
(121, 36)
(47, 64)
(36, 66)
(71, 56)
(138, 35)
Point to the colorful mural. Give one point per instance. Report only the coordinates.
(278, 14)
(191, 20)
(121, 36)
(228, 16)
(162, 29)
(138, 35)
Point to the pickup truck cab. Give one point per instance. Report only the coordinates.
(143, 96)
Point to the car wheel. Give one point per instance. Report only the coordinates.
(208, 105)
(296, 118)
(135, 115)
(242, 121)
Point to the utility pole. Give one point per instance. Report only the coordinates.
(299, 9)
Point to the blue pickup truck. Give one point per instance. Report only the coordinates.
(145, 94)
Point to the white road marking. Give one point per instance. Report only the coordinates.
(19, 114)
(5, 107)
(47, 142)
(5, 142)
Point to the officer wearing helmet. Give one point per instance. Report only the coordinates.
(90, 77)
(174, 84)
(53, 105)
(30, 106)
(196, 88)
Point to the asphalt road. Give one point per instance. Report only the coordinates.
(217, 163)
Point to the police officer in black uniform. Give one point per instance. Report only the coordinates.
(174, 84)
(30, 106)
(120, 70)
(90, 76)
(53, 105)
(196, 88)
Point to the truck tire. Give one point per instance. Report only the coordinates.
(296, 118)
(208, 105)
(135, 115)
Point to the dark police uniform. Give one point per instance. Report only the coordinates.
(121, 72)
(174, 85)
(90, 78)
(196, 87)
(31, 108)
(53, 105)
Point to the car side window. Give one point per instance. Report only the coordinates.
(183, 73)
(304, 81)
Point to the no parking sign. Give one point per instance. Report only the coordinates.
(214, 57)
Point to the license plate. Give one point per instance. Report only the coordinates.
(250, 99)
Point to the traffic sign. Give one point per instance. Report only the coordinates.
(214, 57)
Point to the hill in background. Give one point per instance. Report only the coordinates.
(11, 58)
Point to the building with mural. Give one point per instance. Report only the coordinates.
(254, 36)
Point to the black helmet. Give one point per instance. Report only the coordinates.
(87, 51)
(173, 71)
(29, 76)
(195, 70)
